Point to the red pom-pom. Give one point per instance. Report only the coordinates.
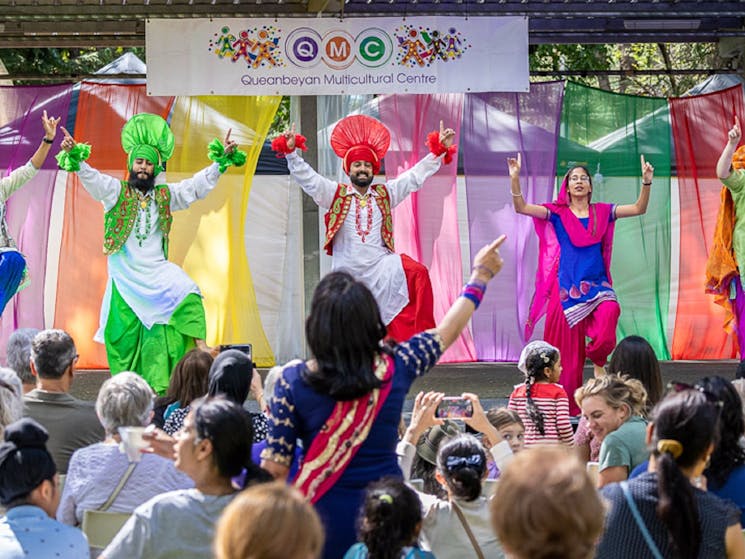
(279, 144)
(438, 148)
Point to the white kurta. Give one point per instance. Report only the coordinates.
(151, 285)
(8, 185)
(368, 260)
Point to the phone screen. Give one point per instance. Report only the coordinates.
(454, 408)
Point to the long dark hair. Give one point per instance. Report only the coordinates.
(189, 379)
(728, 454)
(230, 376)
(228, 427)
(535, 365)
(462, 462)
(633, 356)
(689, 419)
(344, 332)
(390, 517)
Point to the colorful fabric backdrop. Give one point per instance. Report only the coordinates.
(243, 244)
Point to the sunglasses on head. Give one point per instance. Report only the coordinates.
(683, 387)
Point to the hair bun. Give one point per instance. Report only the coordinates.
(26, 433)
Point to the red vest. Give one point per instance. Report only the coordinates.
(340, 208)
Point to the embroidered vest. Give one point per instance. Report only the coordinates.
(339, 209)
(120, 220)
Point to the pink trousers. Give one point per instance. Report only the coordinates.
(599, 327)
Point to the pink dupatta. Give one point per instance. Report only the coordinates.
(600, 229)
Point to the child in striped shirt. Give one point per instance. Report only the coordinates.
(542, 404)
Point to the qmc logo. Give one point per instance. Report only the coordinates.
(306, 48)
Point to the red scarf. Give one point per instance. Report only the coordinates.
(342, 436)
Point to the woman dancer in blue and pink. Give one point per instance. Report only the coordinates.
(573, 281)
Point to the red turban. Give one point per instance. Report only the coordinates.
(360, 138)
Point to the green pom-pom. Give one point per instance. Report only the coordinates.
(217, 154)
(70, 160)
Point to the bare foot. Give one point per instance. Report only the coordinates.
(598, 371)
(202, 345)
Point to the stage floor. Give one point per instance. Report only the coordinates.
(493, 382)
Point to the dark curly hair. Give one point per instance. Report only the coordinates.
(389, 518)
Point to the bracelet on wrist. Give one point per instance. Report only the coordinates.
(474, 292)
(484, 269)
(518, 195)
(47, 140)
(646, 183)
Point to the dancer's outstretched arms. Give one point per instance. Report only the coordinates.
(640, 206)
(486, 265)
(514, 164)
(724, 165)
(50, 131)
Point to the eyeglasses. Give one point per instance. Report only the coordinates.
(682, 387)
(577, 178)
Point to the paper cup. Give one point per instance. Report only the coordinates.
(132, 442)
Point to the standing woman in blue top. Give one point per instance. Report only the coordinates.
(12, 263)
(574, 288)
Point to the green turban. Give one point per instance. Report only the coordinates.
(148, 136)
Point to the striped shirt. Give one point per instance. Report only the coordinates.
(552, 400)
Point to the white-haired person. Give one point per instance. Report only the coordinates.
(11, 394)
(95, 471)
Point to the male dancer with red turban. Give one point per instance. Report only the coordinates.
(359, 224)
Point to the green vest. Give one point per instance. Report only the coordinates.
(120, 220)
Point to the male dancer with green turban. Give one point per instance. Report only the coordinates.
(152, 311)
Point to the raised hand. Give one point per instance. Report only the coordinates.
(487, 263)
(67, 142)
(290, 137)
(514, 164)
(647, 171)
(230, 145)
(447, 135)
(50, 125)
(735, 134)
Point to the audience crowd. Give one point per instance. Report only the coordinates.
(325, 468)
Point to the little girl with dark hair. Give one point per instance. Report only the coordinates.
(390, 520)
(542, 404)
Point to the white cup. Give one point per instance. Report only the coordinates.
(132, 442)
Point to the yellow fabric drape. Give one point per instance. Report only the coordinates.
(208, 239)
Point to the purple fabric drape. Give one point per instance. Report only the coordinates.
(497, 126)
(29, 208)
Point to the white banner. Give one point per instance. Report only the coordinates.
(310, 56)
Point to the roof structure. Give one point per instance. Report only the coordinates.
(101, 23)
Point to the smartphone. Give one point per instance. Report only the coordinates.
(454, 407)
(244, 348)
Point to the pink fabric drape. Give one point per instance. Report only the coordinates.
(29, 208)
(700, 126)
(426, 224)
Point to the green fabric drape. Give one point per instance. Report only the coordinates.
(608, 133)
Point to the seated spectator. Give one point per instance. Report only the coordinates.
(30, 491)
(546, 506)
(613, 407)
(124, 400)
(389, 524)
(234, 376)
(681, 519)
(634, 358)
(511, 430)
(459, 526)
(188, 382)
(11, 392)
(269, 521)
(19, 356)
(213, 446)
(725, 475)
(71, 423)
(739, 382)
(543, 405)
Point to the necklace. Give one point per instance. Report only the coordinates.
(142, 221)
(362, 203)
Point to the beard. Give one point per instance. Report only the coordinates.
(362, 182)
(143, 185)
